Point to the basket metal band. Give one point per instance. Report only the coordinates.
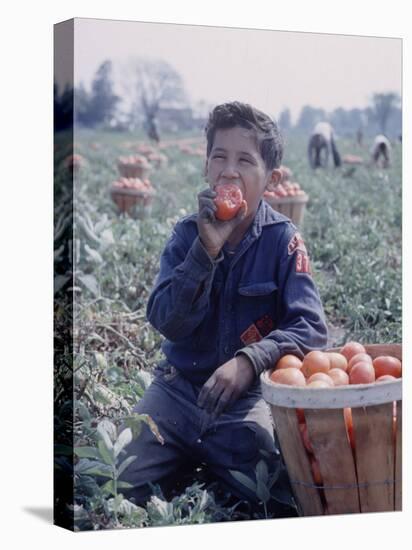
(359, 395)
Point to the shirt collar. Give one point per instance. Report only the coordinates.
(265, 215)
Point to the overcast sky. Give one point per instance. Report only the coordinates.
(270, 69)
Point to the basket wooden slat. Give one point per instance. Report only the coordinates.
(329, 440)
(373, 429)
(292, 207)
(287, 428)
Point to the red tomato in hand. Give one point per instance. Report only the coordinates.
(228, 201)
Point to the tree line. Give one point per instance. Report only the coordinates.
(152, 85)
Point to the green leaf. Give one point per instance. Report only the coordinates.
(124, 439)
(83, 411)
(98, 471)
(262, 473)
(108, 487)
(91, 467)
(126, 507)
(106, 454)
(275, 476)
(244, 480)
(60, 281)
(124, 485)
(283, 496)
(145, 378)
(125, 464)
(107, 238)
(90, 282)
(79, 512)
(262, 491)
(107, 430)
(135, 424)
(100, 360)
(93, 255)
(87, 452)
(161, 508)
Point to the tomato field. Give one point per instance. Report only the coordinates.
(352, 229)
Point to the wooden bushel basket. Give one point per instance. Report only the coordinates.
(131, 170)
(133, 202)
(292, 207)
(367, 478)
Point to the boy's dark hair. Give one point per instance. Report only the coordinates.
(268, 136)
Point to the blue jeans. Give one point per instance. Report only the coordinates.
(233, 441)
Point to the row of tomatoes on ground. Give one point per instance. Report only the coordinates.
(326, 369)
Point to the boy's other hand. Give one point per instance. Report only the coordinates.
(214, 233)
(226, 385)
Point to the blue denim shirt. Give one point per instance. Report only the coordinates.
(261, 302)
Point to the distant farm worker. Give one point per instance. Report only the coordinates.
(321, 143)
(381, 151)
(234, 294)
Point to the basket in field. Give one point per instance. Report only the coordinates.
(360, 471)
(293, 207)
(133, 166)
(132, 196)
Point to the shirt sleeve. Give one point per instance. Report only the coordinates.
(180, 298)
(301, 326)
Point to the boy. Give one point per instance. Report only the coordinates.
(231, 298)
(322, 139)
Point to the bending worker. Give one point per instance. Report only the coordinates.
(321, 143)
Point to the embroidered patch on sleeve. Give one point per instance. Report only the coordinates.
(251, 335)
(302, 262)
(296, 243)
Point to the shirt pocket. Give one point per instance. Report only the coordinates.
(257, 289)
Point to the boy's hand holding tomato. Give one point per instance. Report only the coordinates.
(220, 211)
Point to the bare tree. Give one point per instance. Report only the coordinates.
(382, 105)
(151, 84)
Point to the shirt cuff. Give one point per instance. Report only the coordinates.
(199, 254)
(263, 355)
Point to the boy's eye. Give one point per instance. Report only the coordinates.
(246, 160)
(218, 156)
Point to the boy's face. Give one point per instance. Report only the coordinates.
(235, 158)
